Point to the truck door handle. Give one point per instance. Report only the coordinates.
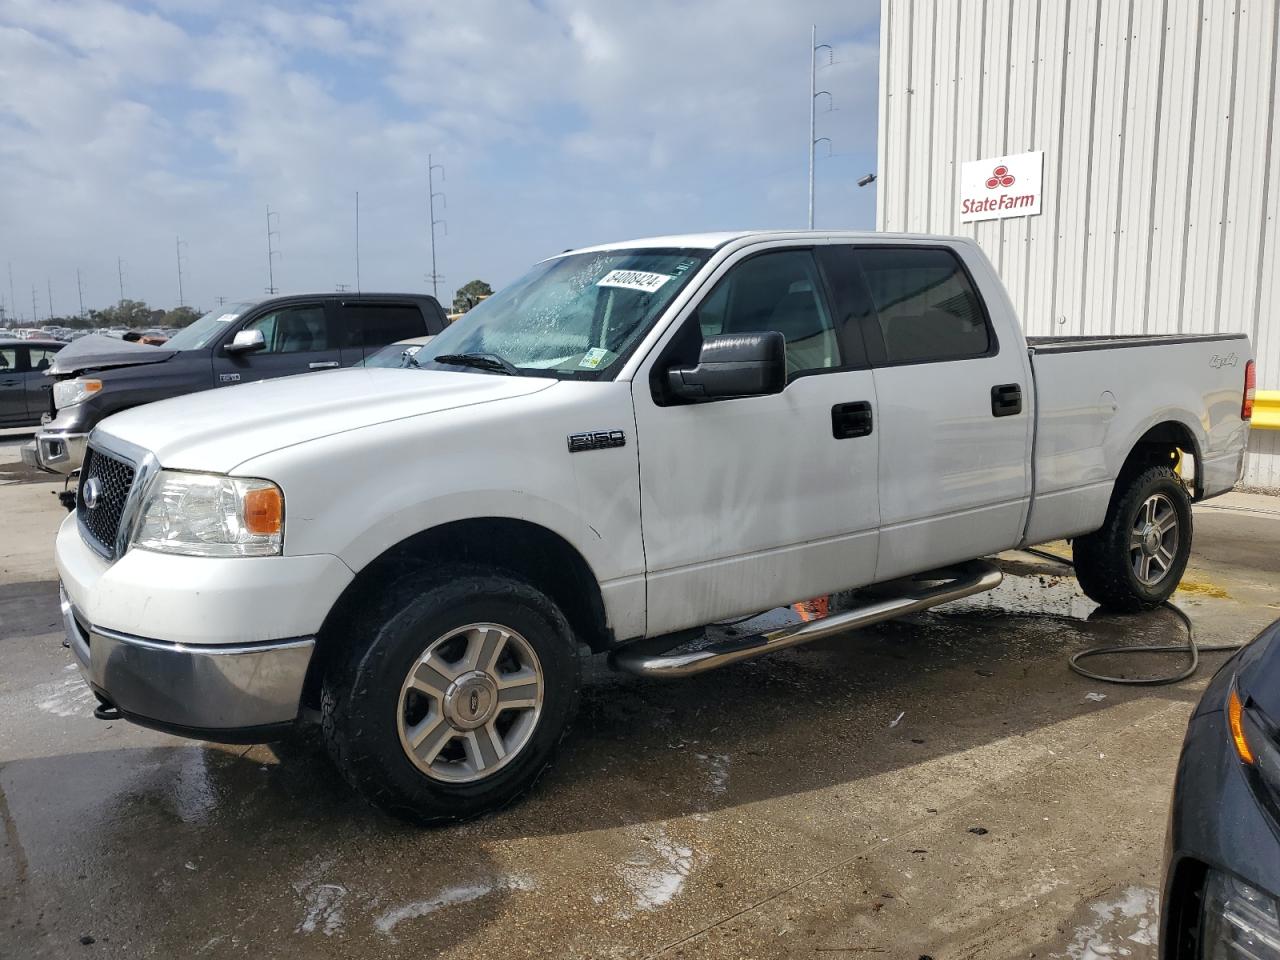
(849, 420)
(323, 364)
(1006, 400)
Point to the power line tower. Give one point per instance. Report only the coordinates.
(120, 275)
(272, 252)
(48, 286)
(814, 94)
(178, 244)
(80, 292)
(434, 276)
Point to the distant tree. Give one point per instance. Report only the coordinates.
(126, 313)
(180, 317)
(470, 294)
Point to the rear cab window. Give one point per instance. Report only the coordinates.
(926, 308)
(372, 325)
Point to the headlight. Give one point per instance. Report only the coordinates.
(1240, 922)
(206, 515)
(67, 393)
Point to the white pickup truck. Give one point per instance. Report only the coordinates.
(631, 442)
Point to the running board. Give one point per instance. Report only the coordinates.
(920, 592)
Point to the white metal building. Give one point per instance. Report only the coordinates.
(1156, 119)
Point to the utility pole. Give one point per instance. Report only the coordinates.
(221, 300)
(35, 312)
(80, 292)
(13, 301)
(178, 244)
(272, 252)
(342, 287)
(814, 94)
(48, 286)
(120, 274)
(435, 277)
(357, 241)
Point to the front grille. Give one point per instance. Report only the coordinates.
(114, 478)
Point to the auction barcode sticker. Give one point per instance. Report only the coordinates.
(633, 280)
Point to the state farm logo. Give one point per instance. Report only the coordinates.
(1000, 177)
(1006, 186)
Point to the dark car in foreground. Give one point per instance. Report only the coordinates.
(24, 388)
(1222, 882)
(236, 343)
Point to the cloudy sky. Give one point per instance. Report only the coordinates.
(558, 123)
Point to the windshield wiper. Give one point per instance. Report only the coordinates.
(481, 361)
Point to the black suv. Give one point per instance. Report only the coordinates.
(97, 376)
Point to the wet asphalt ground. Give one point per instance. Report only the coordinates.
(941, 786)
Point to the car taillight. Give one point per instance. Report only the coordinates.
(1250, 387)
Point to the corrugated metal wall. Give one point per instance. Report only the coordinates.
(1157, 120)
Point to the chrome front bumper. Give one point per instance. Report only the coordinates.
(236, 693)
(56, 452)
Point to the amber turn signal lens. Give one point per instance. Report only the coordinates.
(263, 511)
(1235, 714)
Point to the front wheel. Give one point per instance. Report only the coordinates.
(454, 696)
(1136, 560)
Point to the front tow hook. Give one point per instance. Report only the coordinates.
(106, 710)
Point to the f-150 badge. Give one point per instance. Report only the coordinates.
(596, 440)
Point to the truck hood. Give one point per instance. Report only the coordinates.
(218, 429)
(96, 352)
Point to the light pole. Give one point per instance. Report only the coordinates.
(814, 94)
(431, 207)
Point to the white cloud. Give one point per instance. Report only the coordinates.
(559, 123)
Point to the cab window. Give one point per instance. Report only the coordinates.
(776, 291)
(293, 330)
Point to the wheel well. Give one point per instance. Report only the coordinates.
(531, 552)
(1163, 444)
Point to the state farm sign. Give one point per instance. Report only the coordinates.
(1001, 187)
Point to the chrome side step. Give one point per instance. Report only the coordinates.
(916, 593)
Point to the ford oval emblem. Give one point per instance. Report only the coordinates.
(92, 492)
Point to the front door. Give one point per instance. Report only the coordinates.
(756, 502)
(299, 338)
(955, 411)
(13, 385)
(39, 386)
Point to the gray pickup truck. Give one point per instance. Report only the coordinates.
(236, 343)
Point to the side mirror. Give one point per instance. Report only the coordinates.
(246, 341)
(733, 365)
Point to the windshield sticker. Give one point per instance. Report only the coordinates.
(593, 357)
(633, 280)
(681, 267)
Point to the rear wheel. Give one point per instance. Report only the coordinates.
(455, 698)
(1136, 560)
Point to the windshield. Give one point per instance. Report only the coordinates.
(393, 355)
(207, 329)
(572, 317)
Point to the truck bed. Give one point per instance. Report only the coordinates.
(1120, 340)
(1096, 398)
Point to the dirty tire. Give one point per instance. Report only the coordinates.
(360, 699)
(1103, 561)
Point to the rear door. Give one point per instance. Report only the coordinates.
(13, 385)
(369, 325)
(299, 338)
(955, 421)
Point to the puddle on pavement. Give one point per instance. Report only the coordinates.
(1124, 924)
